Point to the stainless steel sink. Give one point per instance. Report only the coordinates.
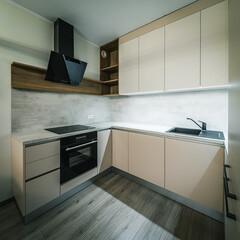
(197, 132)
(189, 131)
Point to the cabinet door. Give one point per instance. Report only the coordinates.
(42, 190)
(214, 45)
(128, 67)
(182, 53)
(146, 157)
(120, 149)
(195, 171)
(104, 150)
(151, 61)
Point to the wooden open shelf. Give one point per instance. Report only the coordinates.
(33, 78)
(111, 82)
(109, 69)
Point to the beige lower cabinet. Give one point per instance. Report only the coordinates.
(120, 149)
(104, 150)
(195, 171)
(42, 190)
(146, 157)
(35, 174)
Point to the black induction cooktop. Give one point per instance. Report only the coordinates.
(68, 129)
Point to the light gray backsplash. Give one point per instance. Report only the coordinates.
(172, 109)
(33, 110)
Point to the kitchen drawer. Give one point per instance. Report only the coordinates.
(78, 180)
(42, 190)
(39, 167)
(41, 151)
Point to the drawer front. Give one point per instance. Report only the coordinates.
(39, 167)
(78, 180)
(42, 190)
(41, 151)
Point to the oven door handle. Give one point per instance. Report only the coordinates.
(82, 145)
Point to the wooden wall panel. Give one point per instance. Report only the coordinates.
(33, 78)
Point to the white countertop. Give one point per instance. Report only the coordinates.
(32, 137)
(39, 136)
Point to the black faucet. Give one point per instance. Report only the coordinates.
(204, 125)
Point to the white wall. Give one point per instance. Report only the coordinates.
(20, 26)
(21, 31)
(172, 109)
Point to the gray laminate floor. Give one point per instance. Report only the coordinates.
(112, 208)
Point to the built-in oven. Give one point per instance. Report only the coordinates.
(78, 155)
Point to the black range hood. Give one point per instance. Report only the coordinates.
(62, 66)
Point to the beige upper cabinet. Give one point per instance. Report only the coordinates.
(128, 67)
(182, 53)
(195, 171)
(186, 54)
(214, 45)
(120, 149)
(146, 157)
(151, 61)
(104, 149)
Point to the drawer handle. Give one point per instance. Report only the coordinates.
(227, 194)
(230, 215)
(226, 179)
(40, 175)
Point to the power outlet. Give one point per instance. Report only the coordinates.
(90, 116)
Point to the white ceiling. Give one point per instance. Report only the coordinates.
(101, 21)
